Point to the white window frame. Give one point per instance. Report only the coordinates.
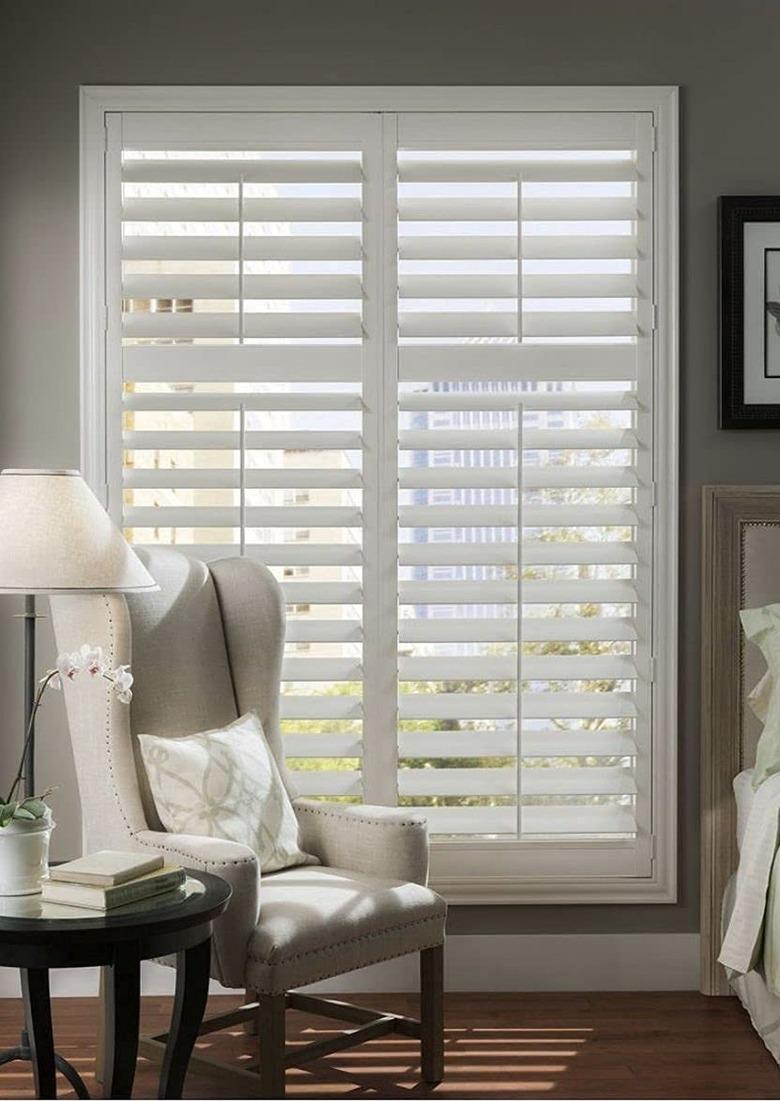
(497, 883)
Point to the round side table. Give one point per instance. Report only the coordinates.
(36, 936)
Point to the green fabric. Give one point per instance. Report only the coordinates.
(762, 626)
(771, 954)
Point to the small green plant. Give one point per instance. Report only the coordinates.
(26, 811)
(89, 659)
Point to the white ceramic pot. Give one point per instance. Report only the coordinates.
(24, 855)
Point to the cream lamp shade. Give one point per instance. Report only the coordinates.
(56, 537)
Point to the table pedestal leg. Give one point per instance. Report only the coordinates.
(37, 1012)
(192, 988)
(100, 1034)
(122, 1006)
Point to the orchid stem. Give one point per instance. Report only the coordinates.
(28, 735)
(42, 686)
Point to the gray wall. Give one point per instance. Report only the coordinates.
(723, 55)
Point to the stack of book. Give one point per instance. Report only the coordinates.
(106, 880)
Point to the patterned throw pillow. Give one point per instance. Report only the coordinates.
(225, 783)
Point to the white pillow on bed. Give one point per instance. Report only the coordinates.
(762, 626)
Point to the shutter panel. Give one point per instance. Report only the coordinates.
(523, 467)
(244, 344)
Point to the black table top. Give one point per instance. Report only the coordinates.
(30, 919)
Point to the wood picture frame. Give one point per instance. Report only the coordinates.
(749, 234)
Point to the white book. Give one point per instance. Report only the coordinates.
(106, 868)
(106, 898)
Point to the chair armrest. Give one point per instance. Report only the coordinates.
(387, 841)
(237, 865)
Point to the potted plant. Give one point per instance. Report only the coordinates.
(26, 824)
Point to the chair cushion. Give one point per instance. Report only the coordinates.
(316, 922)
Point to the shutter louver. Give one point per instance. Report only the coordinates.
(244, 344)
(523, 311)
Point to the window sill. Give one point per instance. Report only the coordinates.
(538, 873)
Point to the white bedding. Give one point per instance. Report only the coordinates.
(762, 1007)
(751, 908)
(742, 944)
(743, 794)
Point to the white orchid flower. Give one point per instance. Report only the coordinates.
(122, 680)
(87, 658)
(91, 658)
(69, 665)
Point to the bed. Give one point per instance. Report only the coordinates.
(741, 569)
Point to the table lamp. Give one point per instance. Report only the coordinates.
(56, 538)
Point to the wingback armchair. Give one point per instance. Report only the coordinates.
(204, 649)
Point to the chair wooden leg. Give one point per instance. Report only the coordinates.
(250, 1026)
(270, 1033)
(432, 1014)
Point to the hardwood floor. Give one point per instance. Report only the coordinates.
(501, 1046)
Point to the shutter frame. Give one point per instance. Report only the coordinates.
(660, 100)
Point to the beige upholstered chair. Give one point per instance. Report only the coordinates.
(205, 648)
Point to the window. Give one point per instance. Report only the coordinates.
(421, 364)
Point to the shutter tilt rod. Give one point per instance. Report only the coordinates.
(241, 259)
(519, 624)
(242, 477)
(519, 249)
(242, 406)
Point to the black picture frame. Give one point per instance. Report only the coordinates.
(734, 211)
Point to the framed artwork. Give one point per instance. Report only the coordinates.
(749, 311)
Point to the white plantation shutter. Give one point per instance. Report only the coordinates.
(407, 361)
(245, 339)
(524, 370)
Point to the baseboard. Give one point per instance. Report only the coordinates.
(619, 961)
(606, 961)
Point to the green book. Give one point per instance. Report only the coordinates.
(93, 897)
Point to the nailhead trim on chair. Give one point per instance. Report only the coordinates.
(342, 943)
(190, 857)
(338, 971)
(109, 753)
(360, 820)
